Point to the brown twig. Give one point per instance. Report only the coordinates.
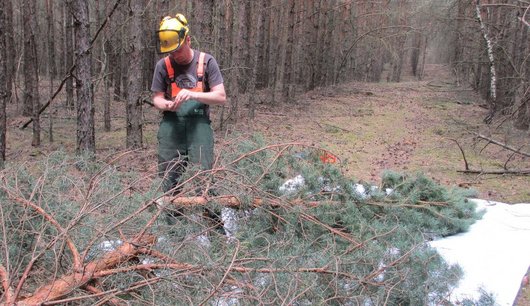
(466, 165)
(234, 256)
(96, 290)
(331, 229)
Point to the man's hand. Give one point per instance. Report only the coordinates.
(216, 96)
(170, 106)
(183, 96)
(160, 102)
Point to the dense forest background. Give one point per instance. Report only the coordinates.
(285, 47)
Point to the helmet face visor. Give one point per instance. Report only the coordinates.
(170, 40)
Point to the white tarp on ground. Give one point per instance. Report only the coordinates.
(494, 254)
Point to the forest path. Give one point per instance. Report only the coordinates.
(411, 126)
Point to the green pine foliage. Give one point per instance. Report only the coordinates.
(318, 243)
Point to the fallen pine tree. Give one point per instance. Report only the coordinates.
(317, 240)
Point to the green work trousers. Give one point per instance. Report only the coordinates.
(184, 138)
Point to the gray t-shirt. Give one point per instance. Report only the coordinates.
(186, 75)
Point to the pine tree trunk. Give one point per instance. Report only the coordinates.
(400, 40)
(522, 119)
(51, 62)
(458, 47)
(31, 69)
(278, 58)
(86, 142)
(10, 54)
(68, 53)
(106, 83)
(234, 45)
(105, 68)
(423, 55)
(263, 45)
(312, 44)
(116, 65)
(255, 42)
(288, 78)
(201, 23)
(3, 84)
(134, 86)
(415, 53)
(273, 40)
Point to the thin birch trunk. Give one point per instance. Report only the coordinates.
(491, 58)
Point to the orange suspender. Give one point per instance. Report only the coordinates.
(171, 75)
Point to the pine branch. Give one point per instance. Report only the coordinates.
(65, 284)
(75, 254)
(234, 202)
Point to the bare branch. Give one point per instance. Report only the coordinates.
(518, 151)
(463, 155)
(501, 172)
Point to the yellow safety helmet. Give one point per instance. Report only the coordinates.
(172, 33)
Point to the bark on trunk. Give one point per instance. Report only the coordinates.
(3, 87)
(86, 142)
(134, 86)
(68, 52)
(52, 71)
(10, 53)
(31, 69)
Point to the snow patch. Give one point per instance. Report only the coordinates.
(494, 254)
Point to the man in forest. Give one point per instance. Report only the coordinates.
(185, 83)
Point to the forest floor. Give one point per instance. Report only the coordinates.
(411, 126)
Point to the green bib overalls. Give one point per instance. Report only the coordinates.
(184, 137)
